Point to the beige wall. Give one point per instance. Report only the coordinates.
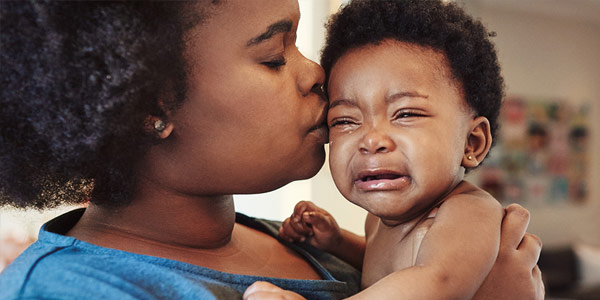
(553, 56)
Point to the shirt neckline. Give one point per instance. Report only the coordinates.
(54, 232)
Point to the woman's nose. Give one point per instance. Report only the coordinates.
(310, 77)
(376, 140)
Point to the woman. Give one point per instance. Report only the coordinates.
(157, 113)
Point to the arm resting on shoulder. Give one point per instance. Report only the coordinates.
(515, 275)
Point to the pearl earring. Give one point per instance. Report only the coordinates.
(159, 125)
(469, 157)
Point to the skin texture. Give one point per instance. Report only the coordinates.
(428, 136)
(245, 126)
(242, 102)
(401, 135)
(394, 109)
(513, 275)
(232, 116)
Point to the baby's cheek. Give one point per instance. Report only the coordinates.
(334, 159)
(340, 165)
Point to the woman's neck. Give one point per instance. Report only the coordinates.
(159, 219)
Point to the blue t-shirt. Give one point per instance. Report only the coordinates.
(62, 267)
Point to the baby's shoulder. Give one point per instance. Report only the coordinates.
(468, 197)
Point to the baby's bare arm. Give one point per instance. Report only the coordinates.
(514, 275)
(456, 254)
(351, 249)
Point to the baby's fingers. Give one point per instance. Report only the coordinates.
(319, 221)
(303, 206)
(289, 232)
(300, 209)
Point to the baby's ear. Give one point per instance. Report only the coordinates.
(479, 142)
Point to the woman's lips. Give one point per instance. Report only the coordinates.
(381, 181)
(321, 129)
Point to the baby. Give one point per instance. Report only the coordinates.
(414, 93)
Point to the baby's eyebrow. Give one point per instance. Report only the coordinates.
(388, 99)
(411, 94)
(337, 102)
(273, 29)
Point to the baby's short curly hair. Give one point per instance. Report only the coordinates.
(443, 27)
(78, 81)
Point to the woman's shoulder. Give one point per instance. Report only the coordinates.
(61, 267)
(51, 270)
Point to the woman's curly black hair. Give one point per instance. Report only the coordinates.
(443, 27)
(78, 81)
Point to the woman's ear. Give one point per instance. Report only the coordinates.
(479, 142)
(158, 126)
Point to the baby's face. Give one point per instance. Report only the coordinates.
(398, 128)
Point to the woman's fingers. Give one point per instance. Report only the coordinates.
(531, 246)
(515, 274)
(537, 278)
(261, 286)
(514, 237)
(267, 291)
(514, 225)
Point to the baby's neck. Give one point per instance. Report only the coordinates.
(408, 223)
(424, 212)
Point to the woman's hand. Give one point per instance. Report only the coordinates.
(515, 274)
(267, 291)
(312, 224)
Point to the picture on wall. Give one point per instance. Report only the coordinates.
(540, 154)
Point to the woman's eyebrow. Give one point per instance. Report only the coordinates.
(273, 29)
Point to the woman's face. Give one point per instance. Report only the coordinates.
(253, 119)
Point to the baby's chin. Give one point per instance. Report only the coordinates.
(390, 209)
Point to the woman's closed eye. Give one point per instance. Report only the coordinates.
(275, 64)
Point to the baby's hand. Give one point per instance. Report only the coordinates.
(312, 224)
(265, 290)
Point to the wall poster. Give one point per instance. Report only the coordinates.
(540, 156)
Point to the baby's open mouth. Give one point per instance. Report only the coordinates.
(380, 177)
(381, 180)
